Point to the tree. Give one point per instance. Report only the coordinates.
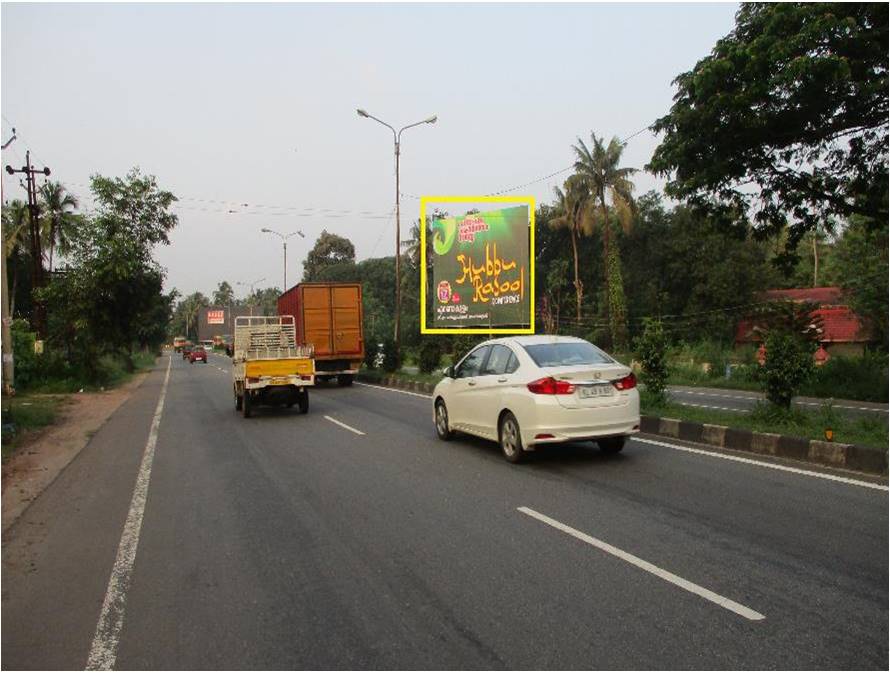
(575, 215)
(224, 295)
(329, 250)
(652, 353)
(785, 122)
(58, 219)
(15, 246)
(599, 167)
(135, 207)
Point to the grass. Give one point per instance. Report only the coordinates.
(114, 374)
(864, 430)
(376, 375)
(24, 413)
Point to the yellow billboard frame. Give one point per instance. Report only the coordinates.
(530, 201)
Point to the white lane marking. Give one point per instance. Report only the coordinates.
(393, 390)
(103, 651)
(760, 463)
(760, 399)
(708, 406)
(343, 425)
(691, 587)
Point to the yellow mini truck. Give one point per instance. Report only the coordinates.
(268, 366)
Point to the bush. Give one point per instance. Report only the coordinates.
(863, 378)
(390, 358)
(789, 364)
(430, 356)
(652, 354)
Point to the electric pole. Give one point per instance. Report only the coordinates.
(37, 275)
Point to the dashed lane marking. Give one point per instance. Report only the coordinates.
(665, 575)
(343, 425)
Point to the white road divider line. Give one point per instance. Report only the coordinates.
(760, 399)
(103, 651)
(708, 406)
(393, 390)
(691, 587)
(760, 463)
(343, 425)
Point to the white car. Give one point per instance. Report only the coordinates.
(525, 391)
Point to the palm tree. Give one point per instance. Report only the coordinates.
(574, 212)
(598, 165)
(58, 206)
(15, 243)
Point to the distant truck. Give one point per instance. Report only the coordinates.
(178, 343)
(329, 317)
(269, 366)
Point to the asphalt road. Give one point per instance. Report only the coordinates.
(744, 401)
(294, 542)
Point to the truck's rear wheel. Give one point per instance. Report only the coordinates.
(245, 405)
(239, 401)
(303, 401)
(344, 379)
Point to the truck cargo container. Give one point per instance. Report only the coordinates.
(329, 318)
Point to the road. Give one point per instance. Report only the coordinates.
(744, 401)
(352, 538)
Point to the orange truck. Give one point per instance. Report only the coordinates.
(328, 317)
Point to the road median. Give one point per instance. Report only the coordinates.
(830, 454)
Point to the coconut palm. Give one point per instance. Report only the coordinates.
(57, 206)
(574, 212)
(598, 165)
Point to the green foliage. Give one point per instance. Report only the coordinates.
(788, 366)
(430, 355)
(617, 303)
(794, 101)
(863, 378)
(652, 354)
(329, 250)
(390, 357)
(224, 295)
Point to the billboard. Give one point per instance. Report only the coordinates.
(216, 317)
(481, 270)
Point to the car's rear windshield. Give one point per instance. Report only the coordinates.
(567, 353)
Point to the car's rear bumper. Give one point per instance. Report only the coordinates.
(552, 423)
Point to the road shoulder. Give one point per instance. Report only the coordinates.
(41, 459)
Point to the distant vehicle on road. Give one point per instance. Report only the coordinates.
(178, 343)
(329, 317)
(268, 365)
(207, 344)
(527, 391)
(198, 353)
(186, 349)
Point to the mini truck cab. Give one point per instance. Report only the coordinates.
(268, 367)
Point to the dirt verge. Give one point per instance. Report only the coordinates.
(41, 456)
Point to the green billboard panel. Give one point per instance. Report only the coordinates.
(481, 269)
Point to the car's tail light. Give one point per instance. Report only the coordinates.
(551, 386)
(628, 382)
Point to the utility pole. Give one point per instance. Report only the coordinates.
(37, 275)
(8, 356)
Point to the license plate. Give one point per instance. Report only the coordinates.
(599, 390)
(280, 381)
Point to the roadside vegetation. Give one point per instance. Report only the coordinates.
(24, 414)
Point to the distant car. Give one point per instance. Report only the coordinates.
(186, 349)
(198, 353)
(526, 391)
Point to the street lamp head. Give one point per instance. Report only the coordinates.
(265, 231)
(45, 170)
(362, 113)
(431, 120)
(10, 169)
(302, 235)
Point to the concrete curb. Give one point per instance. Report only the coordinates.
(833, 454)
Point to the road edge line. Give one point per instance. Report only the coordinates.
(103, 651)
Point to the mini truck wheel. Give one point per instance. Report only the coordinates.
(238, 400)
(303, 401)
(511, 438)
(245, 404)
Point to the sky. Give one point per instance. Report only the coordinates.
(247, 112)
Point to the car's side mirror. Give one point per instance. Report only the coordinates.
(449, 371)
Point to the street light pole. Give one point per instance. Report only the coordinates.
(397, 140)
(284, 238)
(251, 285)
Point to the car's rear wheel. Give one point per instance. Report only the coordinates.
(246, 405)
(511, 438)
(442, 429)
(611, 444)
